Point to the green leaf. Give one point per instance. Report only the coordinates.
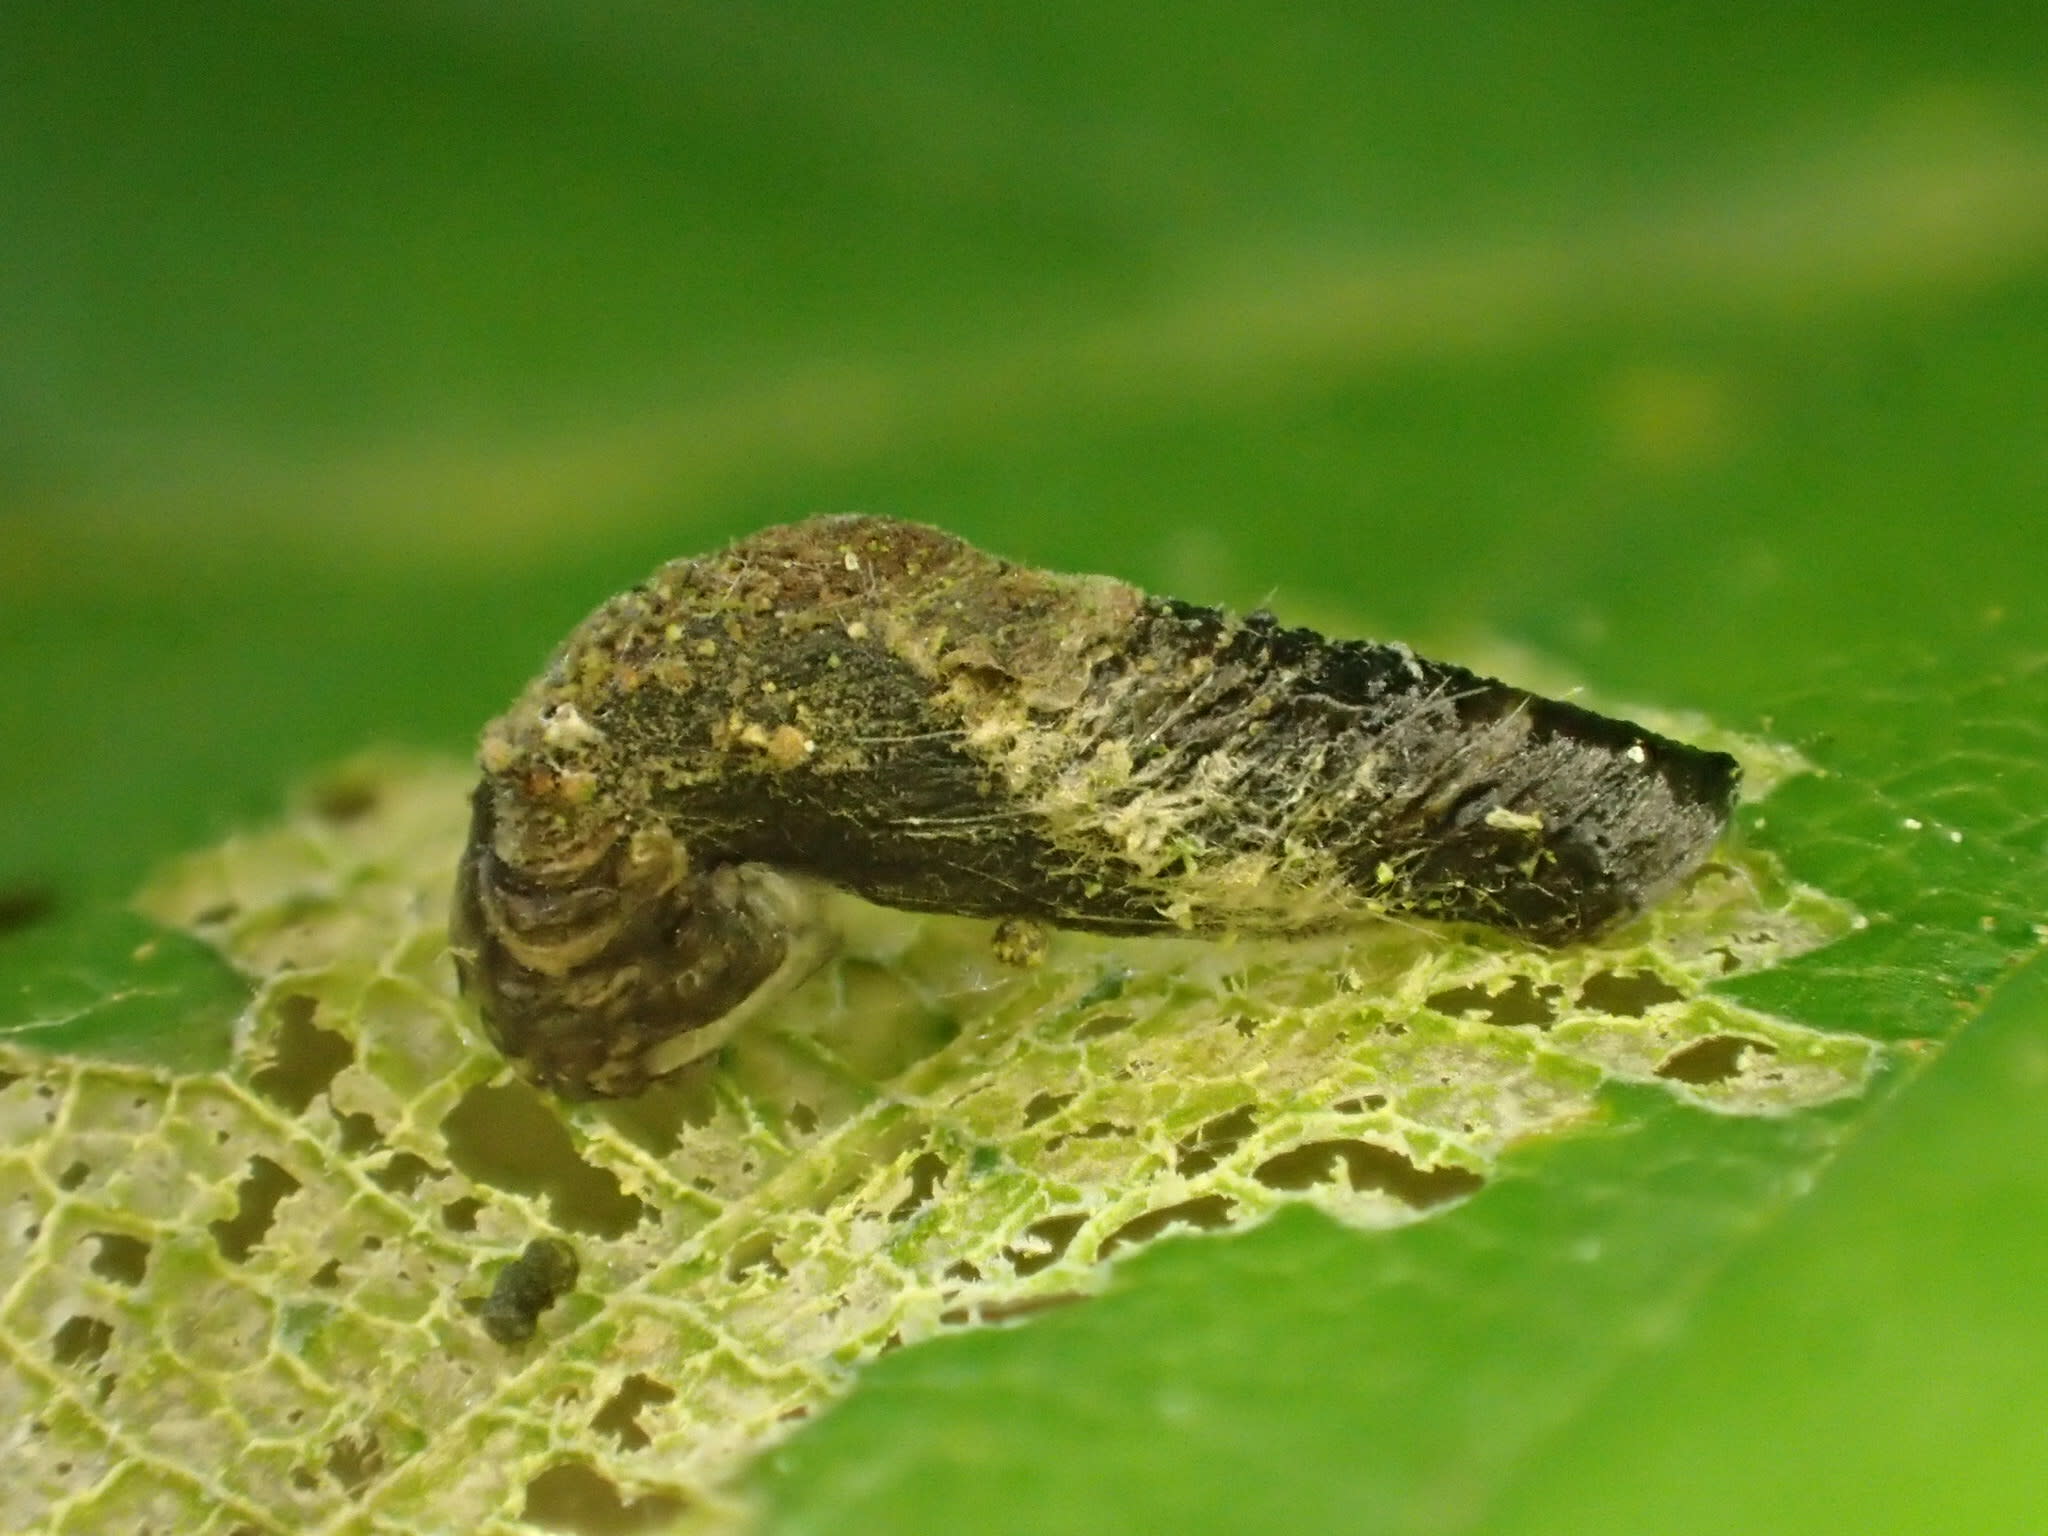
(354, 353)
(1645, 1297)
(1905, 1295)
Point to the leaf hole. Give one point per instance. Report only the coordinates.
(353, 1461)
(81, 1340)
(928, 1171)
(755, 1253)
(1214, 1140)
(509, 1138)
(303, 1057)
(402, 1173)
(620, 1415)
(1106, 1022)
(1367, 1167)
(1712, 1060)
(1207, 1213)
(120, 1258)
(657, 1118)
(262, 1188)
(1363, 1104)
(574, 1497)
(1627, 994)
(1100, 1130)
(358, 1133)
(460, 1215)
(1044, 1242)
(1044, 1106)
(1025, 1306)
(1518, 1004)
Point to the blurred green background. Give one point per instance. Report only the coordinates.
(348, 353)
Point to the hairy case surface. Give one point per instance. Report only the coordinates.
(880, 707)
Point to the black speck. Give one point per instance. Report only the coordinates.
(24, 906)
(1715, 1059)
(527, 1287)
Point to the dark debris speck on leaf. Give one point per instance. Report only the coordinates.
(541, 1275)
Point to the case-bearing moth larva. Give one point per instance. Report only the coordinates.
(881, 707)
